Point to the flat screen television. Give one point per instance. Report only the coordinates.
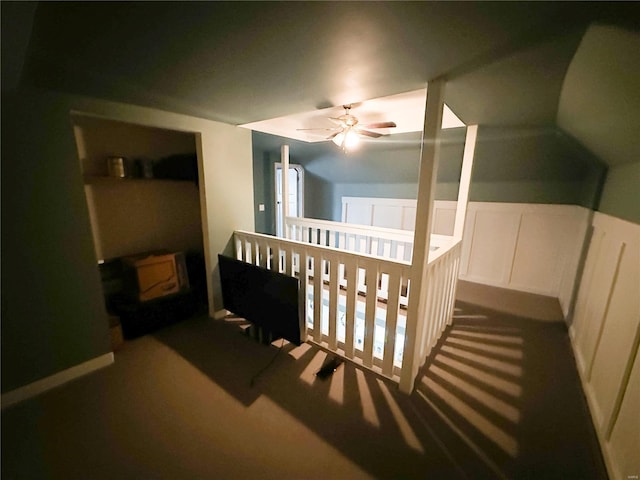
(265, 298)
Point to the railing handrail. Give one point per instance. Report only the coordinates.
(322, 248)
(443, 242)
(354, 228)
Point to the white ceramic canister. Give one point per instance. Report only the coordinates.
(117, 167)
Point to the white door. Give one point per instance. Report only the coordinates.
(296, 194)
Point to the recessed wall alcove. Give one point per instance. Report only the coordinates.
(132, 215)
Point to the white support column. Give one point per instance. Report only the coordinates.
(422, 237)
(465, 180)
(284, 154)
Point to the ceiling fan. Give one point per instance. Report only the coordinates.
(348, 130)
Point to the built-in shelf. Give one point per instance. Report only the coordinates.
(105, 179)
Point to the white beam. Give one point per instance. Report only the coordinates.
(422, 237)
(284, 154)
(465, 180)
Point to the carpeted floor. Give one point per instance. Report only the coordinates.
(500, 398)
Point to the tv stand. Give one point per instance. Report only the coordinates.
(140, 318)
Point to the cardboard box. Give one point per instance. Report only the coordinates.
(150, 276)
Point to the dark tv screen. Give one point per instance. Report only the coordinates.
(266, 298)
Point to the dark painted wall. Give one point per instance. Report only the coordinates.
(535, 165)
(621, 194)
(53, 314)
(317, 191)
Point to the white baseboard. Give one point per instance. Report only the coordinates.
(55, 380)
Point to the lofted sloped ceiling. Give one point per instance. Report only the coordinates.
(241, 62)
(520, 89)
(600, 102)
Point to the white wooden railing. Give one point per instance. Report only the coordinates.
(377, 241)
(440, 283)
(339, 313)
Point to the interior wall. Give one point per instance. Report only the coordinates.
(137, 216)
(621, 193)
(264, 190)
(53, 314)
(511, 165)
(130, 216)
(317, 192)
(599, 104)
(318, 197)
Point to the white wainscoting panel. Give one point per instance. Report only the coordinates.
(493, 238)
(444, 217)
(528, 247)
(357, 212)
(387, 216)
(397, 213)
(605, 334)
(534, 263)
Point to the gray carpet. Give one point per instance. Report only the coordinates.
(500, 398)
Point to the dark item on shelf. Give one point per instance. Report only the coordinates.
(144, 167)
(177, 167)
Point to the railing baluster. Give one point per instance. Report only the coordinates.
(391, 323)
(341, 276)
(362, 244)
(351, 269)
(374, 246)
(433, 310)
(317, 298)
(238, 243)
(259, 256)
(386, 249)
(383, 280)
(370, 312)
(303, 293)
(400, 251)
(351, 242)
(333, 302)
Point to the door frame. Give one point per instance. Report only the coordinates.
(300, 169)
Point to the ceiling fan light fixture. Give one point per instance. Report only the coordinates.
(338, 139)
(347, 140)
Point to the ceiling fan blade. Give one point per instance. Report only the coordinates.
(381, 125)
(367, 133)
(331, 137)
(321, 128)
